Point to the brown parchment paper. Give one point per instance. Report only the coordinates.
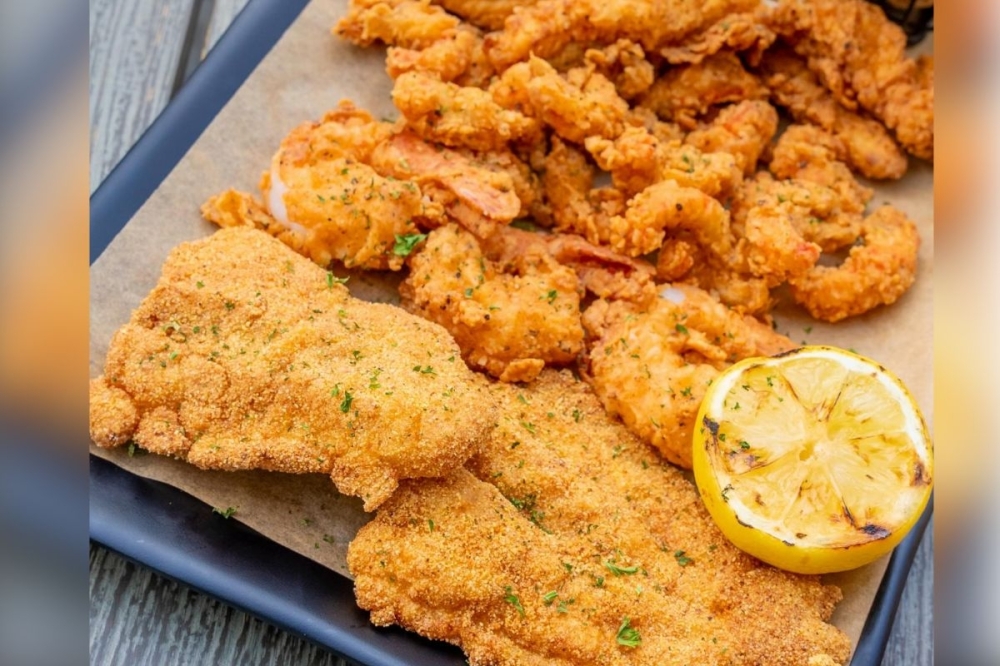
(306, 73)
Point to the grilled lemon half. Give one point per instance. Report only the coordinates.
(816, 460)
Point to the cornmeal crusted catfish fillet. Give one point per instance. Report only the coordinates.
(569, 542)
(249, 356)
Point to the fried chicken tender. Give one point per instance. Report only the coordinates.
(879, 269)
(568, 529)
(738, 32)
(860, 56)
(411, 24)
(248, 356)
(548, 27)
(870, 150)
(510, 318)
(743, 130)
(686, 92)
(459, 116)
(651, 366)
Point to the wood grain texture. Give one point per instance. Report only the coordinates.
(134, 47)
(223, 14)
(138, 617)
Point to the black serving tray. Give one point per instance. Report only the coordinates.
(176, 534)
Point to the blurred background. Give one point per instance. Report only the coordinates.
(44, 188)
(43, 331)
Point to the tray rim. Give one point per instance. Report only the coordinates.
(208, 563)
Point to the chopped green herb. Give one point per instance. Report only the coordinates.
(744, 444)
(620, 571)
(681, 558)
(332, 279)
(200, 284)
(628, 635)
(681, 328)
(405, 243)
(513, 600)
(430, 524)
(549, 597)
(227, 513)
(345, 404)
(577, 415)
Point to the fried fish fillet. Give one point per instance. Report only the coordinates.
(571, 543)
(249, 356)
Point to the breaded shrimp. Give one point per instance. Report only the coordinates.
(459, 116)
(870, 150)
(879, 269)
(652, 366)
(743, 130)
(509, 317)
(687, 92)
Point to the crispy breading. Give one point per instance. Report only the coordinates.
(743, 33)
(860, 56)
(459, 116)
(871, 151)
(410, 24)
(638, 159)
(480, 197)
(743, 130)
(248, 356)
(486, 14)
(510, 315)
(686, 92)
(569, 532)
(651, 366)
(880, 268)
(548, 27)
(624, 64)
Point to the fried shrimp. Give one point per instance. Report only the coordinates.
(510, 317)
(743, 130)
(321, 199)
(879, 269)
(742, 33)
(459, 116)
(635, 226)
(411, 24)
(248, 356)
(651, 366)
(860, 56)
(481, 198)
(870, 150)
(548, 27)
(686, 92)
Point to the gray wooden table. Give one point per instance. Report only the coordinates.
(138, 53)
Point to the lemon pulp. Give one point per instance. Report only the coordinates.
(814, 461)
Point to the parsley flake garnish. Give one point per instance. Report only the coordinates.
(681, 558)
(628, 635)
(620, 571)
(405, 243)
(226, 513)
(345, 404)
(513, 600)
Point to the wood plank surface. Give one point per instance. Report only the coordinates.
(138, 617)
(134, 48)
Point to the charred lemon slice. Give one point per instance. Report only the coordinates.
(814, 461)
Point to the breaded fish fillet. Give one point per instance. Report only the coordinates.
(249, 356)
(570, 542)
